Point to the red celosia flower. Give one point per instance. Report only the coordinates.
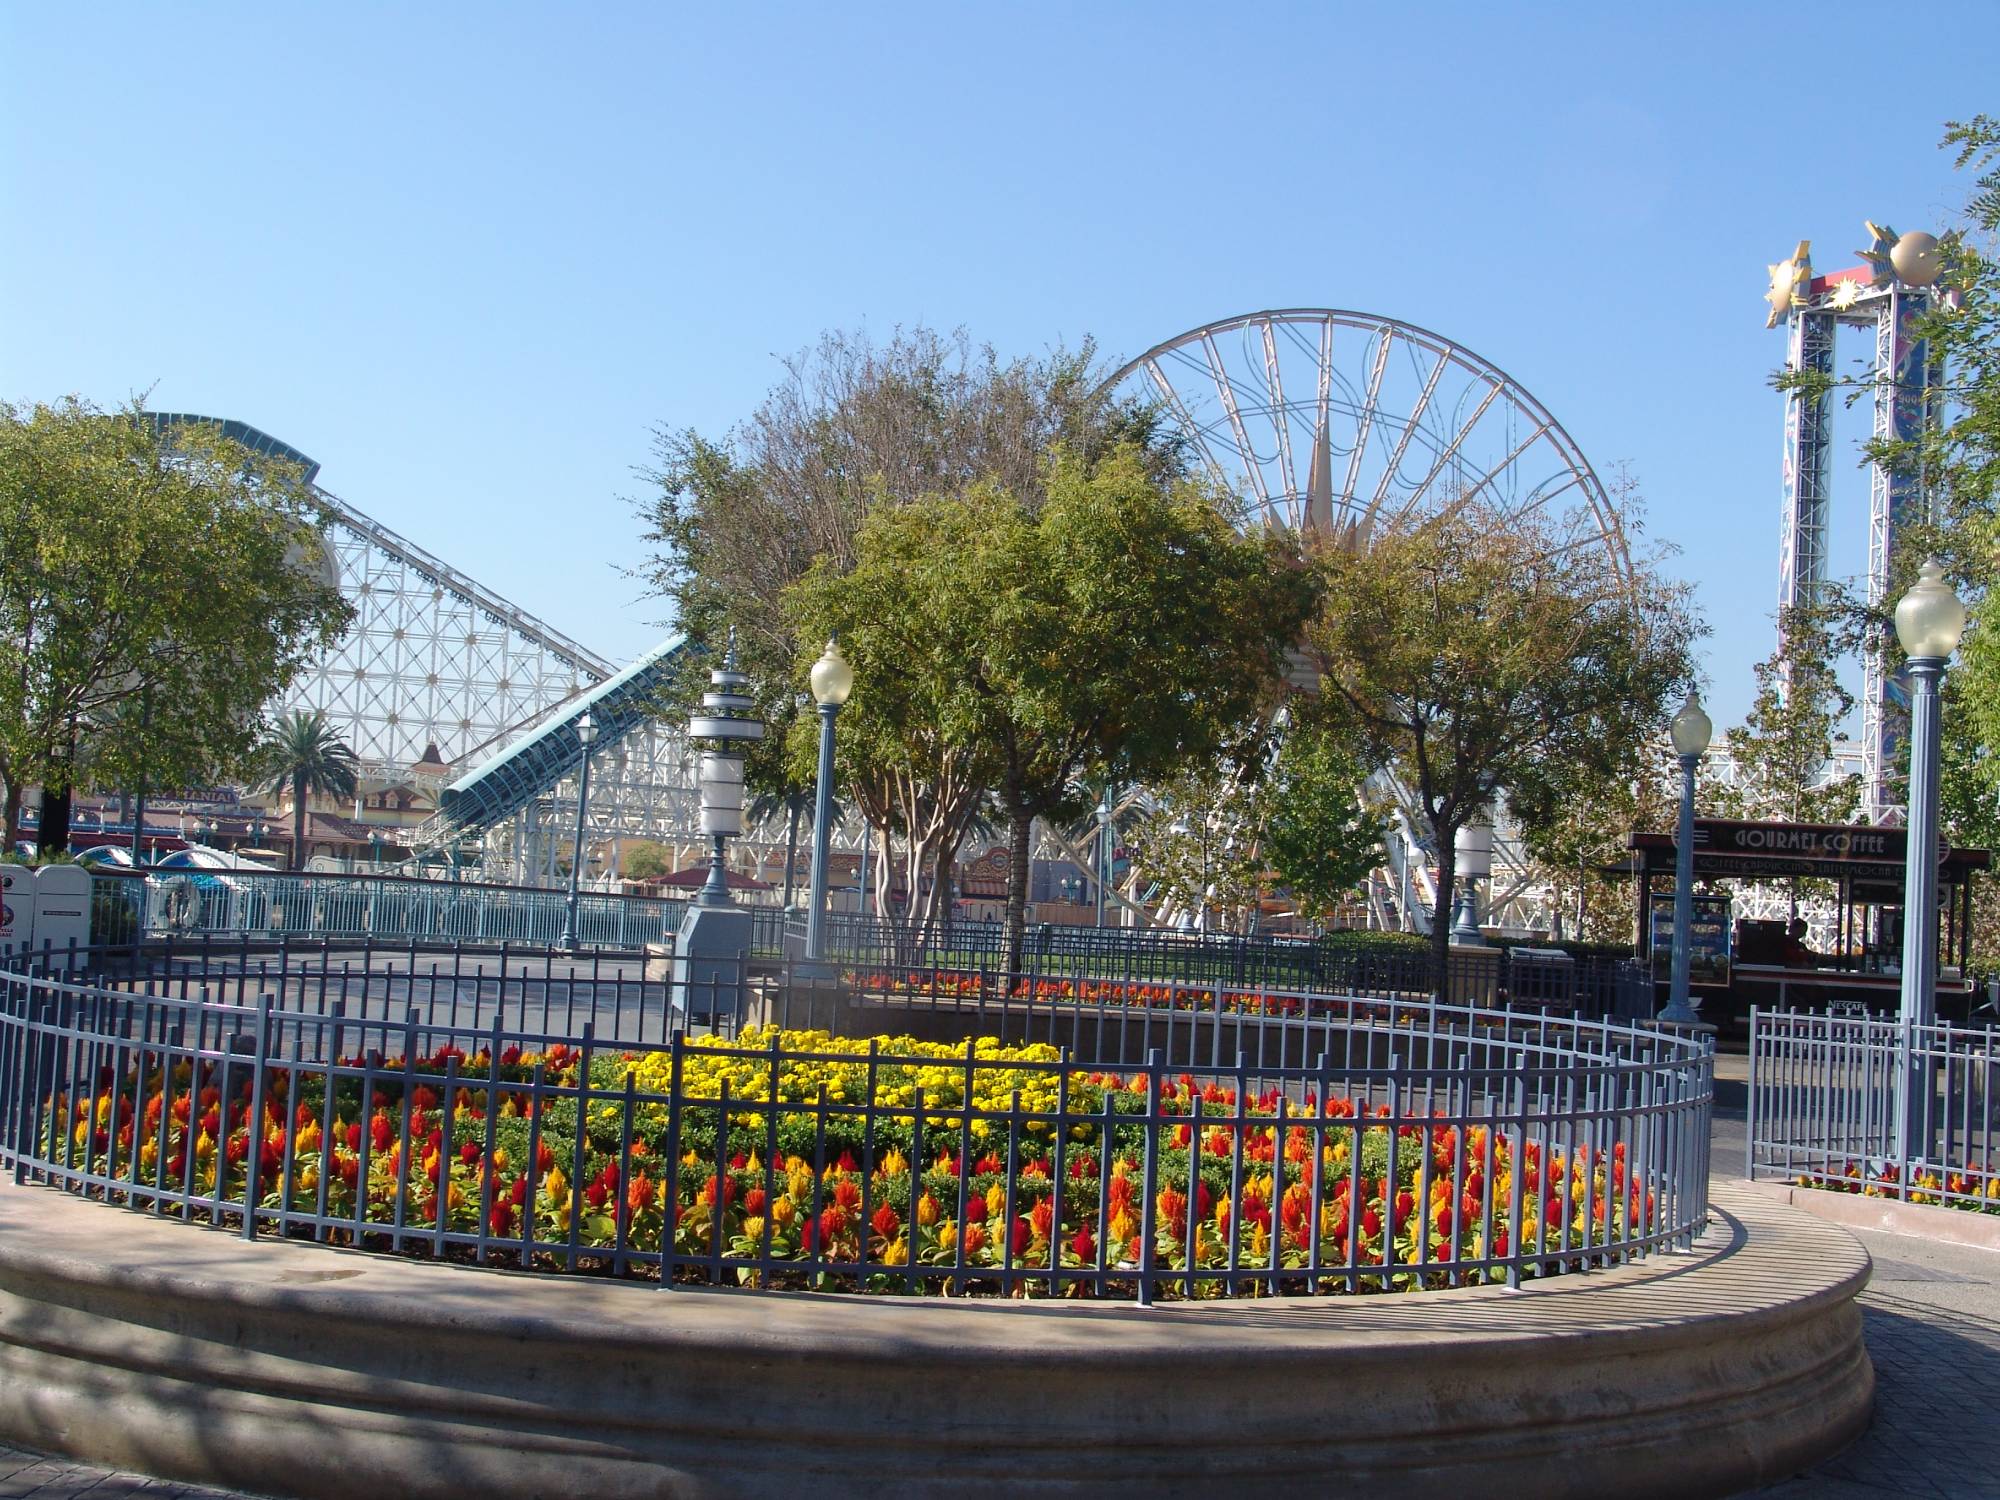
(1082, 1246)
(886, 1221)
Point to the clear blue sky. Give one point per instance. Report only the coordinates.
(468, 257)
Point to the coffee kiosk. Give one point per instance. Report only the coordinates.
(1738, 963)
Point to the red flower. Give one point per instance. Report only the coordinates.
(1022, 1237)
(1082, 1246)
(468, 1152)
(754, 1201)
(886, 1221)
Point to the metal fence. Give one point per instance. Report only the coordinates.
(275, 907)
(1826, 1107)
(1594, 985)
(1378, 1146)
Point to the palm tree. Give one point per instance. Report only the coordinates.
(305, 754)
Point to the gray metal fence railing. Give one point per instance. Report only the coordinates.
(526, 1112)
(269, 907)
(1826, 1107)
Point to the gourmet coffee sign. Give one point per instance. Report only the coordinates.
(1875, 846)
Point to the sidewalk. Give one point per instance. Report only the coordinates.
(1932, 1315)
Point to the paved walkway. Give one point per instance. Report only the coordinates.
(1933, 1324)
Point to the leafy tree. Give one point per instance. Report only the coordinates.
(1476, 656)
(304, 755)
(854, 426)
(644, 860)
(151, 603)
(1197, 846)
(1121, 627)
(1781, 755)
(1575, 826)
(1319, 836)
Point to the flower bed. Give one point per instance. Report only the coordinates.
(963, 986)
(795, 1159)
(1971, 1188)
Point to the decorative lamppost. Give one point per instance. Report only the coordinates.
(1103, 871)
(586, 736)
(832, 682)
(1472, 862)
(1929, 620)
(1690, 731)
(711, 950)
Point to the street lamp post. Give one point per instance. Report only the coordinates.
(1929, 621)
(712, 946)
(1690, 731)
(832, 682)
(1472, 862)
(586, 736)
(1103, 871)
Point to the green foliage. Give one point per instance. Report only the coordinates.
(642, 861)
(1320, 838)
(1783, 748)
(304, 755)
(1478, 655)
(853, 426)
(1121, 627)
(152, 600)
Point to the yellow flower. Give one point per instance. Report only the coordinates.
(753, 1228)
(996, 1199)
(895, 1164)
(947, 1235)
(927, 1211)
(783, 1211)
(897, 1253)
(555, 1186)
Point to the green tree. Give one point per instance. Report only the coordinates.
(851, 427)
(1782, 754)
(304, 755)
(1196, 848)
(1574, 826)
(151, 603)
(1476, 656)
(1119, 628)
(1319, 835)
(644, 860)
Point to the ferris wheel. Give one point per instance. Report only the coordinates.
(1354, 425)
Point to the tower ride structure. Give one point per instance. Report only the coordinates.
(1886, 297)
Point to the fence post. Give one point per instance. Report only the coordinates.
(253, 1143)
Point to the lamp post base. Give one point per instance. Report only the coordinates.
(711, 974)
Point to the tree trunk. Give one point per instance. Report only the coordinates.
(792, 850)
(12, 817)
(1447, 839)
(1020, 825)
(52, 828)
(298, 820)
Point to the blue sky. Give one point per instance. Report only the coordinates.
(469, 258)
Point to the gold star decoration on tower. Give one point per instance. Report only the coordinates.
(1789, 280)
(1846, 295)
(1881, 240)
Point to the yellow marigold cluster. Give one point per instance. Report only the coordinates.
(942, 1070)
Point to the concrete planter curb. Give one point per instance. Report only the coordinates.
(1930, 1221)
(304, 1371)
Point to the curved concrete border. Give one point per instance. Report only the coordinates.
(321, 1373)
(1929, 1221)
